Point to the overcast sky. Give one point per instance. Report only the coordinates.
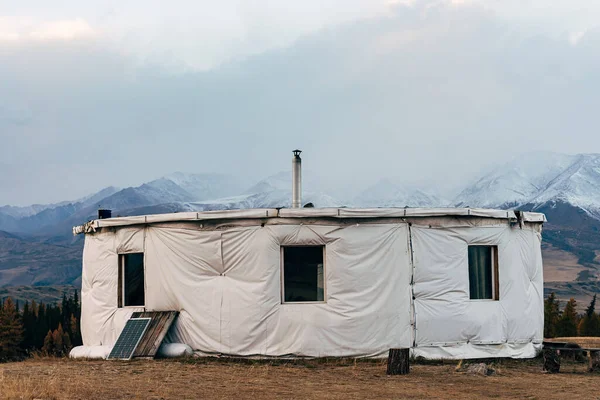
(101, 93)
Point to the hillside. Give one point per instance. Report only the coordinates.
(46, 294)
(27, 261)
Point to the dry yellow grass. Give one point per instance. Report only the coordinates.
(346, 379)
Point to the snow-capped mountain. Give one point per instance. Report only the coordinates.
(28, 211)
(94, 198)
(531, 181)
(391, 193)
(578, 185)
(271, 199)
(516, 182)
(158, 191)
(206, 186)
(25, 211)
(282, 181)
(275, 191)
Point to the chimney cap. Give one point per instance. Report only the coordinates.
(297, 152)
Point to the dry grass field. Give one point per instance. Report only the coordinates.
(316, 379)
(587, 342)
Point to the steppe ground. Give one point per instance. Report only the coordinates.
(313, 379)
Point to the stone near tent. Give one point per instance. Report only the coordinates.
(551, 361)
(480, 369)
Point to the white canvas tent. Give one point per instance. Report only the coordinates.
(390, 278)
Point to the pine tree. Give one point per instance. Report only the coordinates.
(27, 327)
(32, 325)
(551, 315)
(590, 324)
(76, 340)
(48, 348)
(74, 320)
(591, 308)
(65, 311)
(76, 304)
(567, 324)
(57, 339)
(67, 346)
(41, 327)
(11, 331)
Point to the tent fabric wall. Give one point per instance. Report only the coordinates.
(225, 280)
(227, 286)
(446, 317)
(101, 320)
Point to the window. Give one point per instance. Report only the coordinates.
(483, 272)
(131, 280)
(303, 279)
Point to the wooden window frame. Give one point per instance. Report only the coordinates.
(282, 274)
(121, 283)
(495, 272)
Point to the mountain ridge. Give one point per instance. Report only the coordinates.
(530, 180)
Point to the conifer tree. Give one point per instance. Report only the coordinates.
(41, 327)
(48, 348)
(11, 331)
(591, 308)
(76, 339)
(32, 324)
(76, 303)
(65, 311)
(27, 326)
(551, 315)
(590, 324)
(567, 324)
(57, 339)
(67, 346)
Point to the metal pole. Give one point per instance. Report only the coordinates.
(297, 180)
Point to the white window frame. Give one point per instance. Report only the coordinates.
(495, 271)
(122, 274)
(282, 274)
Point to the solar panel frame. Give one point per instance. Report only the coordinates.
(117, 350)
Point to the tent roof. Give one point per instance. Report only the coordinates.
(341, 213)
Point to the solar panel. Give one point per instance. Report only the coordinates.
(130, 338)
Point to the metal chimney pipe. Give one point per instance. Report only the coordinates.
(297, 179)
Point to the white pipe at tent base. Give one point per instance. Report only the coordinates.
(166, 350)
(297, 180)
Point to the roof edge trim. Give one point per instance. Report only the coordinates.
(341, 213)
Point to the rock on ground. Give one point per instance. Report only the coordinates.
(480, 369)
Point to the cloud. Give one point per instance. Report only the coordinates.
(17, 29)
(431, 93)
(575, 37)
(63, 30)
(12, 114)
